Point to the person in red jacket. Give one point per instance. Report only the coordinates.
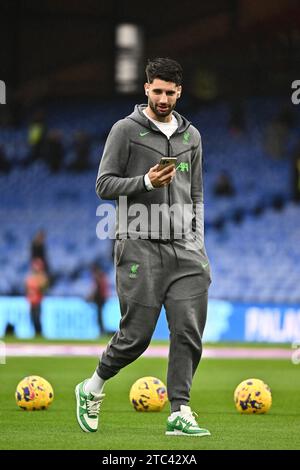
(36, 284)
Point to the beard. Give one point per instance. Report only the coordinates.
(161, 112)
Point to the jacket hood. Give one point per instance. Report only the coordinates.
(138, 116)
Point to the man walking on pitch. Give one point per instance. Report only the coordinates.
(153, 160)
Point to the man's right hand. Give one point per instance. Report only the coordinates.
(160, 178)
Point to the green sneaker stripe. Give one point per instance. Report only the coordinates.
(85, 424)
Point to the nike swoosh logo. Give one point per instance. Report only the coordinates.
(205, 265)
(142, 134)
(82, 403)
(180, 426)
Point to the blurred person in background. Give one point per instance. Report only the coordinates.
(38, 249)
(100, 294)
(36, 137)
(54, 150)
(296, 173)
(5, 164)
(82, 147)
(36, 284)
(277, 133)
(224, 186)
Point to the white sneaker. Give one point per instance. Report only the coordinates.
(183, 423)
(87, 408)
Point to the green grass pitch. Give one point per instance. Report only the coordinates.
(124, 428)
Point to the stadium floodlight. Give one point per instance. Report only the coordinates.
(2, 92)
(129, 53)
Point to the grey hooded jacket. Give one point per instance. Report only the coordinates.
(133, 146)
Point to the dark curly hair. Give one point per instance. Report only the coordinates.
(165, 69)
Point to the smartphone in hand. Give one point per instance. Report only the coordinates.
(167, 161)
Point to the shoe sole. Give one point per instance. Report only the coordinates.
(176, 432)
(77, 411)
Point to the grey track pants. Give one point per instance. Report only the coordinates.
(148, 276)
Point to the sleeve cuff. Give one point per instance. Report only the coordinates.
(147, 182)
